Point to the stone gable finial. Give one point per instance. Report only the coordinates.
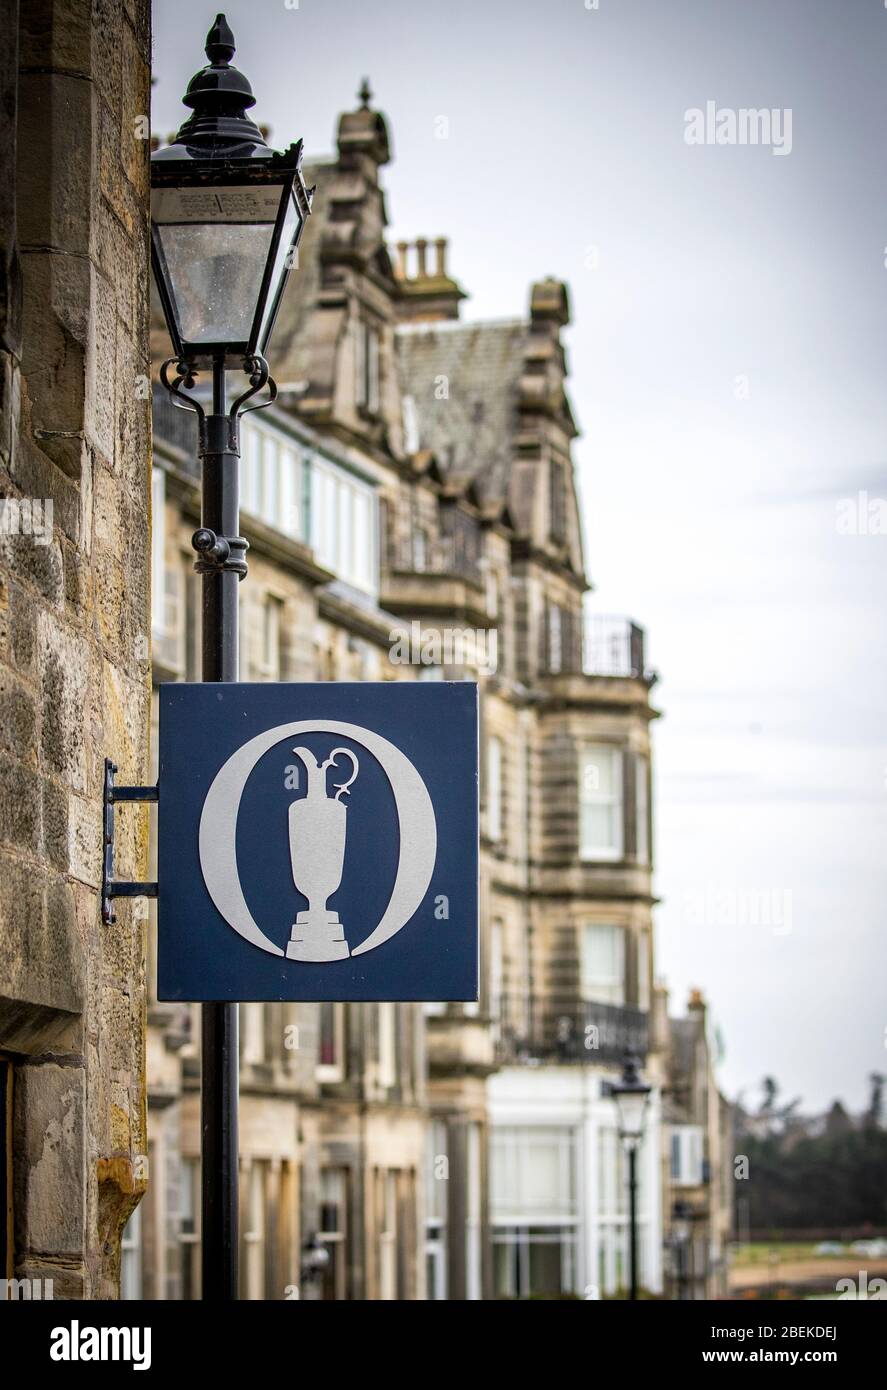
(365, 94)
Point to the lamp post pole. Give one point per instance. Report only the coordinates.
(633, 1220)
(219, 1022)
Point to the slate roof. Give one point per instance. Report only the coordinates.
(471, 430)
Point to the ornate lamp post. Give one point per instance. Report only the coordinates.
(227, 214)
(631, 1094)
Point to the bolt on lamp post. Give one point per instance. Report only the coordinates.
(227, 214)
(631, 1093)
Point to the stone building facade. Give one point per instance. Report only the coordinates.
(74, 625)
(698, 1176)
(412, 514)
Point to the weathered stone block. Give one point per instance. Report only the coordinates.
(23, 630)
(55, 824)
(101, 384)
(56, 36)
(41, 564)
(85, 840)
(37, 476)
(54, 202)
(50, 1126)
(64, 667)
(19, 805)
(18, 720)
(56, 313)
(78, 579)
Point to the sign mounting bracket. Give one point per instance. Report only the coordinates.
(111, 887)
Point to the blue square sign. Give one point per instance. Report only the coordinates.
(318, 842)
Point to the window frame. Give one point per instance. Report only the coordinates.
(594, 798)
(331, 1072)
(608, 989)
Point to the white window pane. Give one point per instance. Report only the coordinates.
(600, 802)
(599, 771)
(599, 827)
(602, 964)
(288, 520)
(271, 471)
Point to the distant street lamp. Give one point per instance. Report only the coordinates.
(227, 214)
(631, 1094)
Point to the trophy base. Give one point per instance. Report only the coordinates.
(317, 936)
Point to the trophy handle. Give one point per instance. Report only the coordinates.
(330, 762)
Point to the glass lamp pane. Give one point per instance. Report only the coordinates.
(283, 262)
(215, 277)
(215, 242)
(631, 1108)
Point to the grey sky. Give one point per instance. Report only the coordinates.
(728, 365)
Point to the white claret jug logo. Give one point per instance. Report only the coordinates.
(318, 826)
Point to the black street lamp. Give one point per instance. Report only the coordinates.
(227, 214)
(631, 1094)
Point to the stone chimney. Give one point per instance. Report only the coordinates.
(427, 292)
(362, 139)
(549, 303)
(697, 1007)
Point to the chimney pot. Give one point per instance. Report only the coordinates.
(400, 268)
(421, 247)
(441, 249)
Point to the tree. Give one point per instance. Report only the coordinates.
(875, 1112)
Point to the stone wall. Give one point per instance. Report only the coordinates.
(74, 621)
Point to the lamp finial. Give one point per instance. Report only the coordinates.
(220, 43)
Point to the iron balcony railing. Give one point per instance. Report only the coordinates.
(565, 1031)
(613, 646)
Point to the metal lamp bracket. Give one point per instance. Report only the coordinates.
(111, 887)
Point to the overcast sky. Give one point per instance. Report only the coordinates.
(728, 376)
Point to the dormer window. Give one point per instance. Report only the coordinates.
(367, 367)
